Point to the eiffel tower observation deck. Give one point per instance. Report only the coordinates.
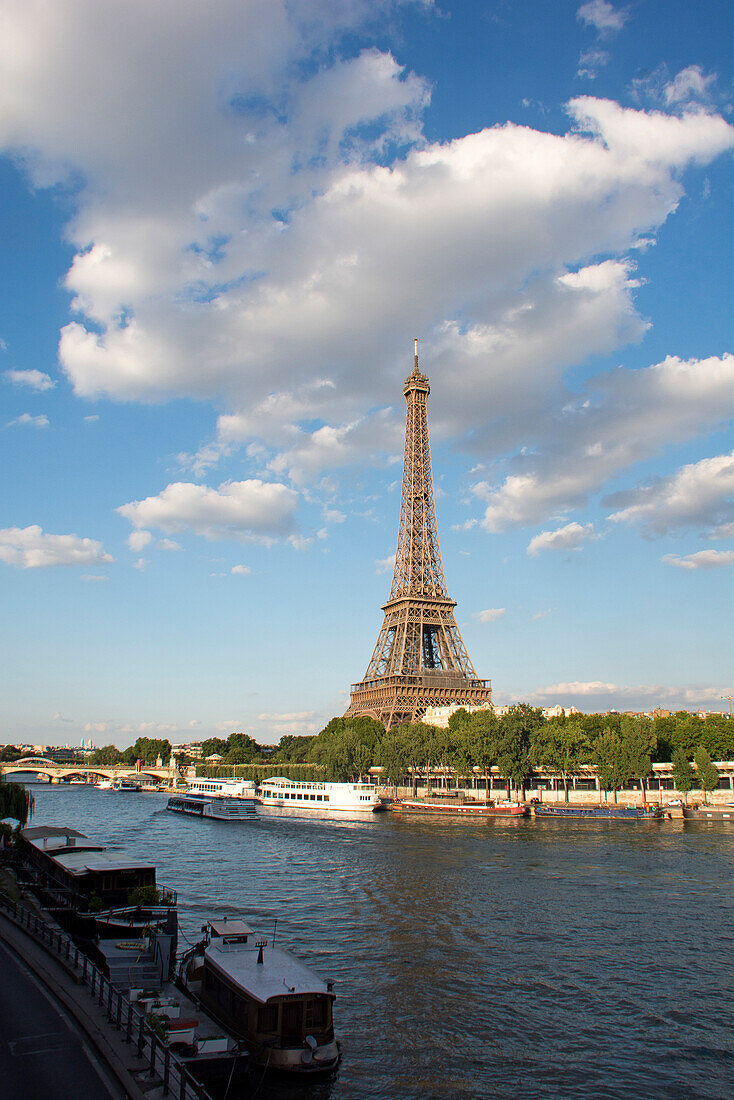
(420, 659)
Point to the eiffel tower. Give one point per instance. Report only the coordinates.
(420, 659)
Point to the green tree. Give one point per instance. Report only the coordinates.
(683, 773)
(292, 749)
(347, 747)
(639, 744)
(518, 727)
(242, 749)
(393, 756)
(561, 747)
(484, 743)
(15, 801)
(607, 753)
(708, 775)
(107, 755)
(214, 746)
(148, 749)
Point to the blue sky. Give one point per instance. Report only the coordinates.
(223, 225)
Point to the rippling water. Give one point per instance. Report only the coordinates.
(590, 960)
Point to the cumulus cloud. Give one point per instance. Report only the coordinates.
(241, 570)
(602, 16)
(703, 559)
(30, 379)
(385, 565)
(168, 544)
(590, 61)
(622, 417)
(138, 540)
(578, 687)
(28, 421)
(697, 495)
(30, 548)
(570, 537)
(490, 615)
(690, 83)
(245, 510)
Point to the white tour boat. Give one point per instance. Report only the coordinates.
(103, 784)
(276, 1005)
(222, 788)
(319, 796)
(220, 809)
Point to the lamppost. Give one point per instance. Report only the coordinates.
(729, 697)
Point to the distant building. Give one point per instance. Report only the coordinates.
(558, 710)
(439, 716)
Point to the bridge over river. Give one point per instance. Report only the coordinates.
(148, 774)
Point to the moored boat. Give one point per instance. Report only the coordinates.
(211, 806)
(591, 812)
(292, 794)
(222, 788)
(459, 808)
(128, 785)
(276, 1005)
(723, 812)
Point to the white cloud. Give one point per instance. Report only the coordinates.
(168, 544)
(94, 578)
(138, 540)
(490, 615)
(140, 565)
(703, 559)
(590, 61)
(622, 418)
(246, 510)
(577, 687)
(385, 565)
(30, 548)
(698, 495)
(570, 537)
(602, 16)
(293, 716)
(28, 421)
(30, 379)
(332, 515)
(690, 83)
(241, 570)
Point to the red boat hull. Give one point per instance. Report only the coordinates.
(460, 809)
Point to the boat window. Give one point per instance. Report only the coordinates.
(267, 1018)
(316, 1012)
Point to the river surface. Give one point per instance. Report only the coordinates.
(501, 959)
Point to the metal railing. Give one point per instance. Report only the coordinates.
(122, 1014)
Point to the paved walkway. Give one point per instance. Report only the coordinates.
(42, 1055)
(55, 1042)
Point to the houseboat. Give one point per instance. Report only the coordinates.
(93, 893)
(217, 808)
(722, 812)
(456, 807)
(605, 811)
(222, 788)
(273, 1003)
(296, 795)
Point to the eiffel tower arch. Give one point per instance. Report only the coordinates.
(420, 659)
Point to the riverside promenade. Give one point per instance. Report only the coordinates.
(67, 1032)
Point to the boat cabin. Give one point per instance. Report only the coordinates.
(80, 871)
(263, 993)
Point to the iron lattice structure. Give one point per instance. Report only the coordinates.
(420, 659)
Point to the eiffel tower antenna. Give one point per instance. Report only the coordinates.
(420, 659)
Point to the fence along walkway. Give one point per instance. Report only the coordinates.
(175, 1078)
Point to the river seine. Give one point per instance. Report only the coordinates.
(535, 959)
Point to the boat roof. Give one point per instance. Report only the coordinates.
(37, 832)
(279, 975)
(225, 927)
(78, 861)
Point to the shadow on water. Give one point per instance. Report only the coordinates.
(561, 961)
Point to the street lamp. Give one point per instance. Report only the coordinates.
(729, 697)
